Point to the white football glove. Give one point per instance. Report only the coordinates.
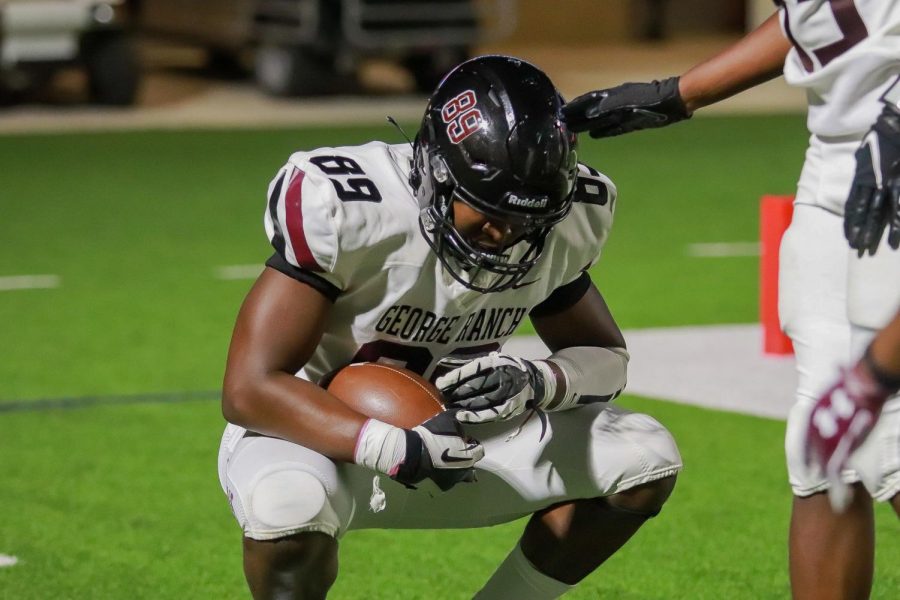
(497, 387)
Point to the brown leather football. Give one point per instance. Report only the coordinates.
(387, 393)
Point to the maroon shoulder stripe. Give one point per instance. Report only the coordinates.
(293, 203)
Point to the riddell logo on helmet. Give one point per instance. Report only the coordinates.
(514, 200)
(461, 116)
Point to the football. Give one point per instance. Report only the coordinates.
(391, 394)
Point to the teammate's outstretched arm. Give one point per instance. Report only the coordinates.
(588, 364)
(843, 417)
(756, 58)
(278, 328)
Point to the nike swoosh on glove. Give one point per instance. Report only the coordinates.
(439, 450)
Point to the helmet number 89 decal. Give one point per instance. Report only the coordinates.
(461, 116)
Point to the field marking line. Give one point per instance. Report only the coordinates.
(29, 282)
(721, 367)
(723, 249)
(235, 272)
(8, 561)
(75, 402)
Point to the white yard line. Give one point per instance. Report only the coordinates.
(233, 272)
(723, 249)
(8, 561)
(29, 282)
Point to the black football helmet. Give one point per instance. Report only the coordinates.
(494, 138)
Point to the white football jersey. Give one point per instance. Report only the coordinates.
(845, 54)
(347, 222)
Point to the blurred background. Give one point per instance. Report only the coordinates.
(198, 62)
(137, 139)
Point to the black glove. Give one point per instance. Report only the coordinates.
(496, 387)
(627, 108)
(439, 450)
(874, 201)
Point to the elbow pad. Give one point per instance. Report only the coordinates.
(590, 374)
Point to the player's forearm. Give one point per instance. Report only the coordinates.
(585, 374)
(756, 58)
(281, 405)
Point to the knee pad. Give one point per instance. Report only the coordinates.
(277, 488)
(287, 499)
(629, 449)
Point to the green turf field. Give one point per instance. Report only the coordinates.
(118, 498)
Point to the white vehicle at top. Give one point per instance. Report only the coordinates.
(39, 37)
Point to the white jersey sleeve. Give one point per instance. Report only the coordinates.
(575, 245)
(595, 200)
(297, 221)
(585, 230)
(325, 210)
(845, 55)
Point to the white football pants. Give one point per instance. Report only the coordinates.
(277, 488)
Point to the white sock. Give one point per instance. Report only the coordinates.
(517, 578)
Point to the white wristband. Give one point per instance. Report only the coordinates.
(380, 447)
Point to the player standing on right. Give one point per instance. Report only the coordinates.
(846, 55)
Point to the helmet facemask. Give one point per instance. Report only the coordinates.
(472, 265)
(493, 138)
